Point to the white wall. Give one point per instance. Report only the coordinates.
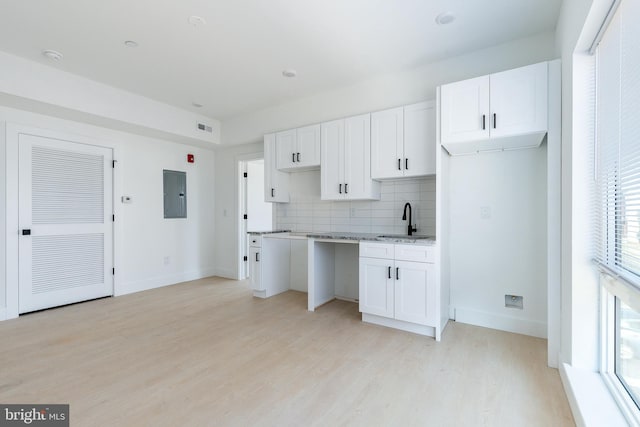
(36, 87)
(506, 252)
(143, 237)
(148, 238)
(227, 215)
(307, 212)
(411, 86)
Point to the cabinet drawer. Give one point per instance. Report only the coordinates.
(255, 240)
(376, 250)
(415, 253)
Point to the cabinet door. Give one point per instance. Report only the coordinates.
(376, 288)
(308, 146)
(415, 289)
(420, 139)
(465, 110)
(519, 101)
(285, 149)
(357, 157)
(255, 270)
(332, 161)
(387, 139)
(276, 183)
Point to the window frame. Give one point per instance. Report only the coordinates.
(621, 395)
(616, 281)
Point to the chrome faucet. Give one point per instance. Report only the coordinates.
(410, 228)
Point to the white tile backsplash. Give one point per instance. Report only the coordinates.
(307, 212)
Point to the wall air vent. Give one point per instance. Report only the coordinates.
(204, 128)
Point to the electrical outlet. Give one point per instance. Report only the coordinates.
(167, 260)
(485, 212)
(514, 301)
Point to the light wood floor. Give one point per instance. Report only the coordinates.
(206, 353)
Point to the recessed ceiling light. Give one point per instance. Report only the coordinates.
(52, 54)
(445, 18)
(130, 43)
(197, 20)
(197, 105)
(289, 73)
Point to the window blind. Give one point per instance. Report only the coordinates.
(618, 144)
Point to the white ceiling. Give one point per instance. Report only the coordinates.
(233, 64)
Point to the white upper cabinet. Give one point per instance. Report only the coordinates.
(298, 148)
(308, 153)
(285, 148)
(345, 166)
(499, 111)
(519, 101)
(420, 139)
(276, 183)
(403, 141)
(332, 160)
(465, 110)
(387, 143)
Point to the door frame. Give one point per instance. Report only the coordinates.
(241, 201)
(13, 132)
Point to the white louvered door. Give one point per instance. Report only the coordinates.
(66, 227)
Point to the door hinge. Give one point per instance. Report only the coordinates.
(245, 174)
(246, 258)
(113, 271)
(245, 216)
(113, 163)
(113, 218)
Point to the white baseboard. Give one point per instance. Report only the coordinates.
(160, 281)
(589, 399)
(500, 322)
(226, 273)
(399, 324)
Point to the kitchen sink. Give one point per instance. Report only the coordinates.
(404, 236)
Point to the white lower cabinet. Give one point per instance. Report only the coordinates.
(393, 287)
(415, 292)
(255, 270)
(376, 286)
(269, 265)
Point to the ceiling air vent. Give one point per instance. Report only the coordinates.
(204, 128)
